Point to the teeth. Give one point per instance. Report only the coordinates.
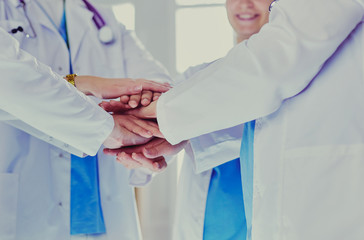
(245, 16)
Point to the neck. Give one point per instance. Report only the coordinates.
(239, 39)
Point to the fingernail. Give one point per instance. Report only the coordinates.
(157, 165)
(133, 104)
(121, 154)
(145, 101)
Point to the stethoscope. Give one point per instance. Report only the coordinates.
(272, 5)
(105, 33)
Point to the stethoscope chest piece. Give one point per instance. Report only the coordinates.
(106, 35)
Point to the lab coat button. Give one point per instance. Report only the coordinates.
(60, 68)
(60, 155)
(66, 145)
(60, 204)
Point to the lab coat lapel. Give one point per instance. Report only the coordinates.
(79, 22)
(42, 17)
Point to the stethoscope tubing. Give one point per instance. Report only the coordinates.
(22, 2)
(97, 19)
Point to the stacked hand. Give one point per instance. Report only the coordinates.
(135, 139)
(148, 155)
(107, 88)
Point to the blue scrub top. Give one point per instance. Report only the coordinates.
(86, 213)
(224, 214)
(247, 170)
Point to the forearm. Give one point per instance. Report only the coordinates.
(42, 99)
(257, 75)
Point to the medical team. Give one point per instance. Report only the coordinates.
(301, 158)
(60, 182)
(209, 204)
(301, 79)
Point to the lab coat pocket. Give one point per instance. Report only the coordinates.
(14, 28)
(322, 192)
(8, 205)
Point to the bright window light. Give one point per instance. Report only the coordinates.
(203, 34)
(125, 13)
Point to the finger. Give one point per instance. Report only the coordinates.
(160, 163)
(136, 126)
(156, 95)
(128, 149)
(127, 161)
(114, 106)
(146, 97)
(153, 86)
(111, 152)
(124, 99)
(119, 106)
(105, 105)
(155, 165)
(163, 148)
(134, 100)
(159, 149)
(154, 128)
(150, 126)
(144, 112)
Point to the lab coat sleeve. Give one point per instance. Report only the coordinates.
(206, 151)
(216, 148)
(139, 62)
(32, 93)
(257, 75)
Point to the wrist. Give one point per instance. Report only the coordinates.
(82, 83)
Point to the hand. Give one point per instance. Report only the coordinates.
(128, 102)
(129, 130)
(107, 88)
(150, 155)
(147, 112)
(144, 99)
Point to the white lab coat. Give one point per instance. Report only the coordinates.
(20, 107)
(38, 187)
(211, 150)
(309, 137)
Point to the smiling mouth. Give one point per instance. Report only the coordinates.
(247, 17)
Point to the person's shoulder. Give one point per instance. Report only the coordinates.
(194, 69)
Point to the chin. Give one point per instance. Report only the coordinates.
(247, 33)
